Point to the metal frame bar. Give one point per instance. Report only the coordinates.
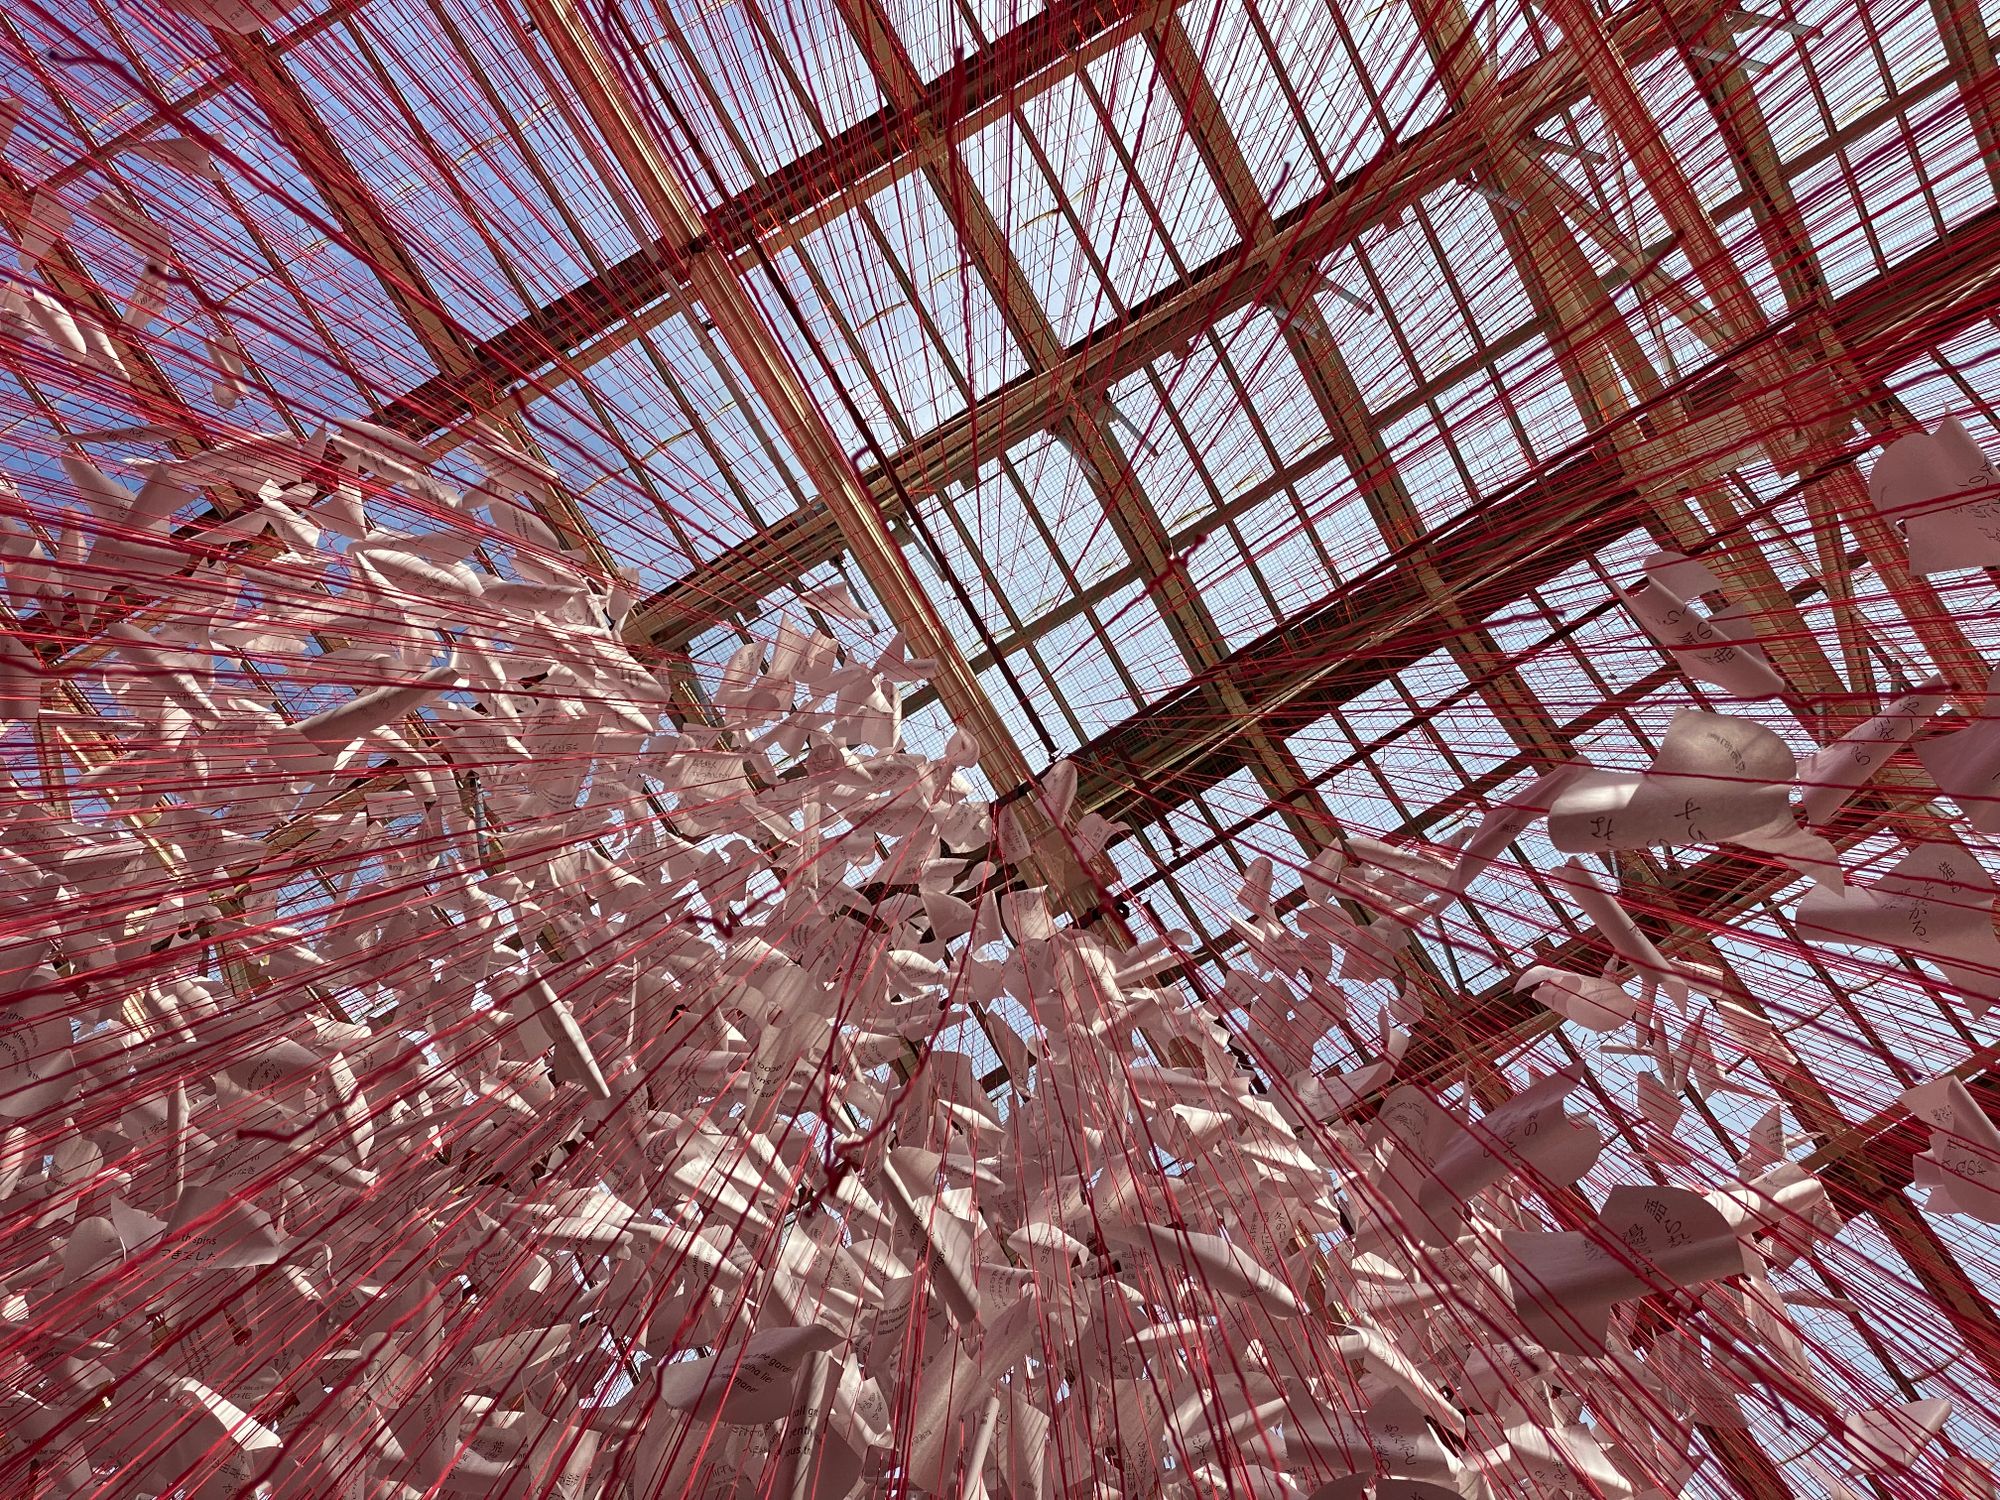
(1505, 545)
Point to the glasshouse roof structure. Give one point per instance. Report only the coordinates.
(1327, 498)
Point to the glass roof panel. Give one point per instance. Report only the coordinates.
(1069, 140)
(896, 310)
(1864, 207)
(1141, 642)
(1172, 185)
(1039, 227)
(683, 90)
(1391, 55)
(1464, 224)
(1294, 569)
(1406, 272)
(545, 156)
(1950, 162)
(1422, 456)
(824, 63)
(1347, 118)
(1265, 368)
(1197, 444)
(445, 166)
(628, 459)
(1540, 397)
(1350, 303)
(935, 36)
(1229, 590)
(1672, 88)
(280, 277)
(1093, 686)
(707, 443)
(733, 53)
(1345, 526)
(1255, 100)
(1036, 715)
(966, 320)
(1808, 90)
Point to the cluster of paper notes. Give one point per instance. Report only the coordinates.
(435, 1059)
